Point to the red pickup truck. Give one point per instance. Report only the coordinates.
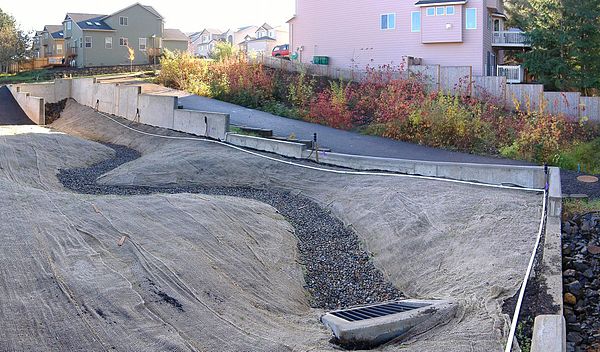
(282, 51)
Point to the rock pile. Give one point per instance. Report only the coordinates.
(53, 110)
(581, 281)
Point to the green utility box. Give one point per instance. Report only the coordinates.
(321, 60)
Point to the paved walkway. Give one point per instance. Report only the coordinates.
(337, 140)
(10, 111)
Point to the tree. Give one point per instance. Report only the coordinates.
(13, 41)
(222, 51)
(565, 37)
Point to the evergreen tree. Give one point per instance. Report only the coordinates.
(565, 37)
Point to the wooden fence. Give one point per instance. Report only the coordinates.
(27, 65)
(460, 79)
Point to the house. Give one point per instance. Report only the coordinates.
(265, 38)
(236, 36)
(175, 40)
(52, 43)
(202, 43)
(432, 32)
(36, 48)
(105, 40)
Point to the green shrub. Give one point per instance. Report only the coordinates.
(585, 155)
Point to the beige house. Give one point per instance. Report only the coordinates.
(265, 38)
(50, 43)
(106, 40)
(202, 43)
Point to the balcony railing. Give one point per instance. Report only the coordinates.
(510, 38)
(513, 74)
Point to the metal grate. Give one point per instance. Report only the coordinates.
(376, 311)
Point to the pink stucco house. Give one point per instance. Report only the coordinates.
(357, 33)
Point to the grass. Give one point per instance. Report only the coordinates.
(582, 156)
(578, 206)
(523, 335)
(24, 77)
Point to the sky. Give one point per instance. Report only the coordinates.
(189, 16)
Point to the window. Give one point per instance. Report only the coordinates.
(143, 42)
(204, 39)
(471, 22)
(123, 21)
(449, 10)
(59, 48)
(496, 25)
(88, 42)
(439, 11)
(68, 24)
(415, 21)
(388, 21)
(431, 11)
(108, 43)
(124, 42)
(80, 43)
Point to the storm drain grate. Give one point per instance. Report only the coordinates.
(375, 311)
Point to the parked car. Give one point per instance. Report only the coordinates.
(281, 51)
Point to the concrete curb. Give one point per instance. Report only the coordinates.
(549, 331)
(285, 148)
(549, 334)
(523, 176)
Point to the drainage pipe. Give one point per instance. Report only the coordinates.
(515, 318)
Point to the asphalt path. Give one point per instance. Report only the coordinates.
(10, 112)
(338, 141)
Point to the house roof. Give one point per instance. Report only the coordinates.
(266, 26)
(174, 34)
(89, 21)
(147, 7)
(52, 28)
(436, 2)
(261, 38)
(211, 30)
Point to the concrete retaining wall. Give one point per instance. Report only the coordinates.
(201, 123)
(83, 91)
(289, 149)
(127, 101)
(157, 110)
(42, 90)
(105, 97)
(34, 107)
(524, 176)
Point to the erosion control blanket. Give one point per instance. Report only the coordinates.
(200, 272)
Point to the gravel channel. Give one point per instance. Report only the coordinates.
(581, 281)
(338, 271)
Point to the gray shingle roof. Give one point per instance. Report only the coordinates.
(52, 28)
(89, 21)
(174, 34)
